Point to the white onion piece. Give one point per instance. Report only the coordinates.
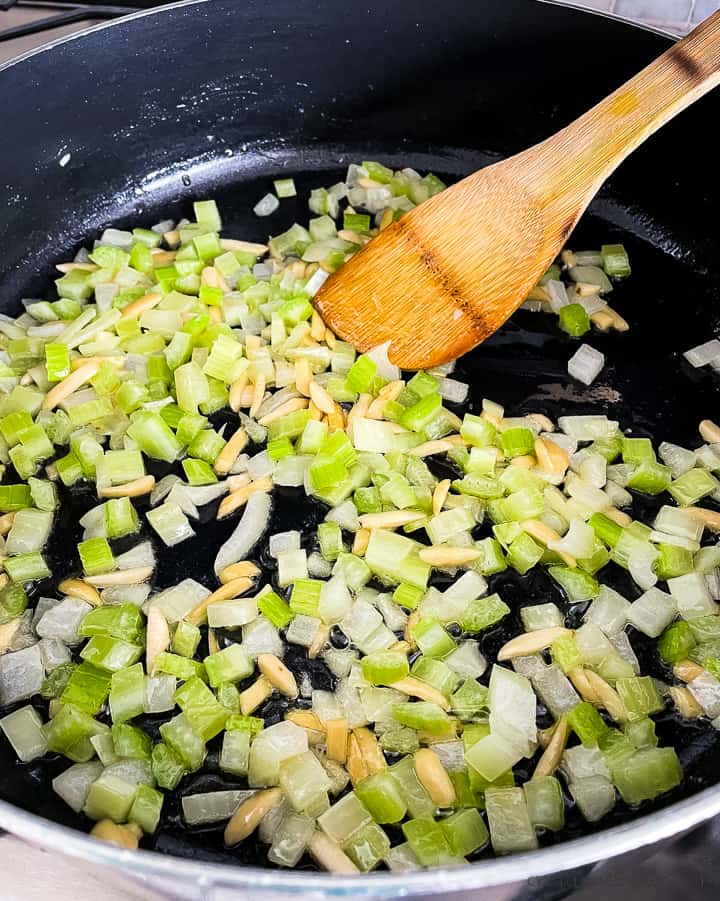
(162, 489)
(266, 205)
(140, 555)
(212, 807)
(558, 295)
(454, 391)
(74, 784)
(315, 282)
(199, 495)
(248, 531)
(586, 364)
(63, 620)
(21, 675)
(379, 356)
(703, 353)
(176, 602)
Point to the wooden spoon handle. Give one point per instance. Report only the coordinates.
(579, 158)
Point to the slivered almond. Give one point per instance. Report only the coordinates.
(290, 406)
(337, 739)
(552, 755)
(317, 327)
(336, 420)
(226, 592)
(306, 719)
(687, 670)
(370, 750)
(121, 577)
(249, 815)
(568, 258)
(392, 519)
(440, 495)
(136, 488)
(440, 446)
(685, 702)
(359, 408)
(709, 518)
(8, 630)
(492, 418)
(117, 360)
(360, 542)
(71, 383)
(259, 250)
(163, 257)
(545, 735)
(392, 390)
(315, 413)
(237, 390)
(321, 398)
(545, 535)
(356, 766)
(606, 695)
(298, 269)
(330, 856)
(531, 642)
(229, 454)
(524, 462)
(158, 637)
(622, 519)
(303, 376)
(330, 338)
(319, 641)
(376, 409)
(440, 555)
(386, 219)
(126, 836)
(242, 569)
(543, 422)
(618, 322)
(551, 457)
(239, 498)
(141, 305)
(258, 394)
(211, 277)
(434, 777)
(400, 647)
(70, 267)
(416, 688)
(412, 621)
(6, 521)
(709, 431)
(213, 643)
(216, 314)
(257, 694)
(278, 675)
(579, 679)
(602, 320)
(76, 588)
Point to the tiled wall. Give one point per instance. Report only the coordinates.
(675, 15)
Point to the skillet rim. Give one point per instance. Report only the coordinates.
(659, 825)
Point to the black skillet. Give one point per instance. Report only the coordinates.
(129, 123)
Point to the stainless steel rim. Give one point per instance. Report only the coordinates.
(149, 865)
(590, 849)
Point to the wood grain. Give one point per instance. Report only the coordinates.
(448, 274)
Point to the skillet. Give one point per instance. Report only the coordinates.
(132, 121)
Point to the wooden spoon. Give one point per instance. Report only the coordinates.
(448, 274)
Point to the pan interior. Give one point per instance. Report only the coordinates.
(646, 385)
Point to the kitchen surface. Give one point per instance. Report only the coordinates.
(685, 866)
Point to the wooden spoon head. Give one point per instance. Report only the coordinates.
(448, 274)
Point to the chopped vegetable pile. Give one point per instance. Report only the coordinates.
(175, 371)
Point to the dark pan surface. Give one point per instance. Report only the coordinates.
(212, 100)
